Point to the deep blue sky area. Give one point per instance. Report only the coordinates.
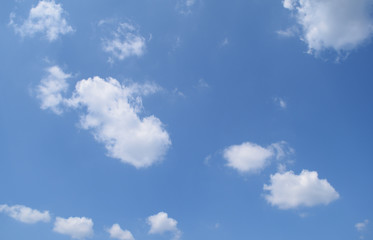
(246, 94)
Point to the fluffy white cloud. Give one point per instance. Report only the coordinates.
(341, 25)
(116, 232)
(112, 115)
(46, 18)
(161, 223)
(111, 111)
(250, 157)
(125, 42)
(78, 228)
(25, 214)
(51, 88)
(288, 190)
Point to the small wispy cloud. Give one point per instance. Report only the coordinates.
(289, 32)
(177, 92)
(125, 41)
(51, 89)
(361, 228)
(185, 6)
(280, 102)
(225, 42)
(207, 160)
(202, 83)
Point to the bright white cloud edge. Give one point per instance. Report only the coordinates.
(288, 190)
(75, 227)
(340, 25)
(25, 214)
(46, 18)
(110, 110)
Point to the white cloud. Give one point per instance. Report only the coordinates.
(280, 102)
(289, 32)
(207, 160)
(116, 232)
(361, 228)
(125, 42)
(51, 88)
(247, 157)
(25, 214)
(361, 225)
(340, 25)
(289, 4)
(250, 157)
(111, 111)
(202, 83)
(161, 223)
(112, 114)
(288, 190)
(190, 3)
(46, 18)
(177, 92)
(75, 227)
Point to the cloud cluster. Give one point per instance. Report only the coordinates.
(161, 223)
(125, 42)
(251, 158)
(340, 25)
(82, 227)
(75, 227)
(110, 110)
(288, 190)
(78, 228)
(117, 233)
(25, 214)
(46, 18)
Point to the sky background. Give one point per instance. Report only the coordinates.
(225, 73)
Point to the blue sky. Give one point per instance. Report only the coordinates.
(186, 119)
